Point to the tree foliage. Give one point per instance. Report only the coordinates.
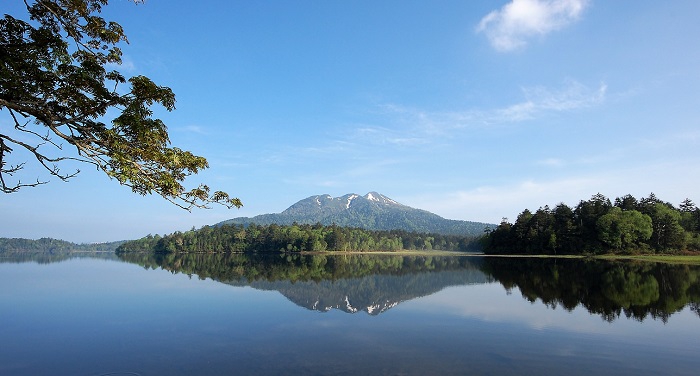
(623, 229)
(294, 238)
(598, 226)
(57, 85)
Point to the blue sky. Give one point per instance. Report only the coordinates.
(473, 110)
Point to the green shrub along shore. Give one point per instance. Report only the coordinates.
(627, 226)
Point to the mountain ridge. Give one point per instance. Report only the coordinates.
(373, 211)
(372, 294)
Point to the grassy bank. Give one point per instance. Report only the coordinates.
(674, 259)
(404, 252)
(678, 259)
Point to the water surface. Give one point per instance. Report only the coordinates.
(230, 314)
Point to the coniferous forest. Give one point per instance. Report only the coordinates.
(596, 226)
(295, 238)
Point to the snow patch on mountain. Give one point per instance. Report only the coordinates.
(349, 306)
(373, 308)
(381, 199)
(350, 198)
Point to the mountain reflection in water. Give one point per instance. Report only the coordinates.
(350, 283)
(376, 283)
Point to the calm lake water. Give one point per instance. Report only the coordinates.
(347, 315)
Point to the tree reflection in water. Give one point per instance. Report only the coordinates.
(375, 283)
(634, 289)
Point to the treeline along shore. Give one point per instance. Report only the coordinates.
(597, 226)
(296, 238)
(17, 246)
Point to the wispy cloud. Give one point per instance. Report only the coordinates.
(538, 100)
(393, 137)
(193, 129)
(510, 27)
(489, 203)
(127, 65)
(552, 162)
(351, 174)
(398, 136)
(408, 126)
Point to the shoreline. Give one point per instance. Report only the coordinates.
(666, 258)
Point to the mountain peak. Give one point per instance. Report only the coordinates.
(372, 211)
(347, 201)
(380, 198)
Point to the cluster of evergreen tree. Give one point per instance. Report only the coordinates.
(599, 226)
(294, 238)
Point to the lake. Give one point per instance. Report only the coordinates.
(278, 314)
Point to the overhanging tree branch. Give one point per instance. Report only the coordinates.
(66, 94)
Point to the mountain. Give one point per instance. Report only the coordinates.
(373, 294)
(372, 211)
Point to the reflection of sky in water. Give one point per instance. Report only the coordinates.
(88, 317)
(492, 303)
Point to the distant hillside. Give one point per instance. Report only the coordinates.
(10, 246)
(372, 211)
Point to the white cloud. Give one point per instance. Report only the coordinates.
(416, 126)
(395, 127)
(538, 100)
(193, 129)
(491, 203)
(552, 162)
(387, 136)
(509, 27)
(672, 181)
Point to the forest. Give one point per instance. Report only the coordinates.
(16, 246)
(295, 238)
(598, 226)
